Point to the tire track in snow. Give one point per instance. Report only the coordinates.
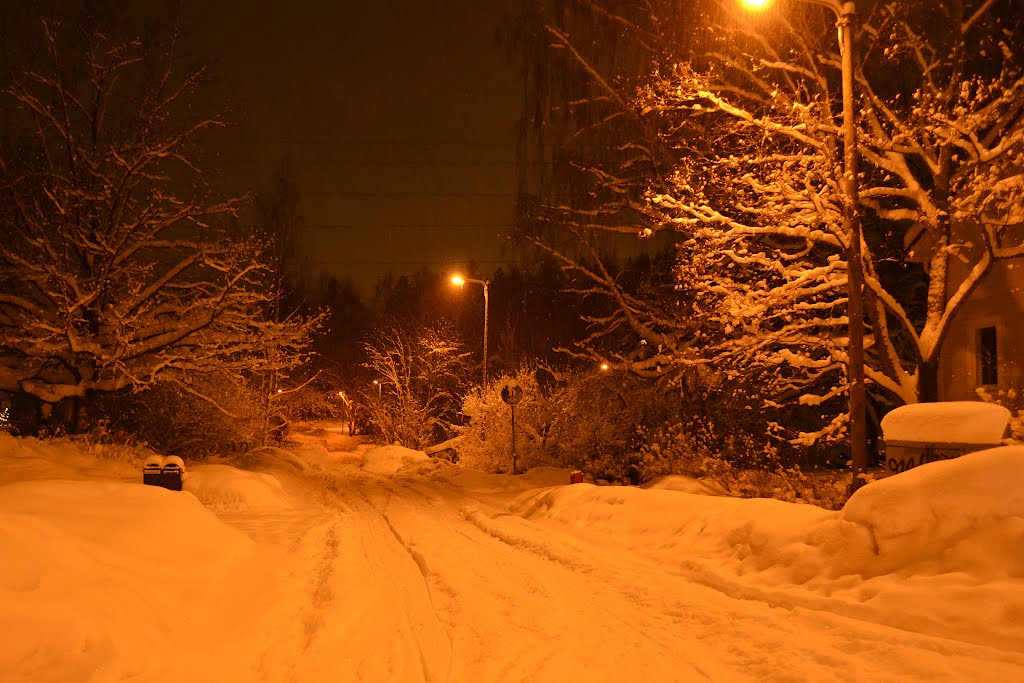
(425, 574)
(513, 616)
(320, 591)
(392, 571)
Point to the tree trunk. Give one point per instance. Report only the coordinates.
(928, 381)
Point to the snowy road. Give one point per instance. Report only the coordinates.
(419, 576)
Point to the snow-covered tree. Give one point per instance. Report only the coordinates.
(120, 267)
(757, 186)
(588, 158)
(486, 440)
(421, 370)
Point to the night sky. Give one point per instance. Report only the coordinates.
(395, 118)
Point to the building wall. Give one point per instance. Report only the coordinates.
(997, 301)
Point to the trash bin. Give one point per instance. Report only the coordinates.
(920, 433)
(168, 472)
(576, 477)
(152, 470)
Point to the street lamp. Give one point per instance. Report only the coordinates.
(379, 388)
(846, 13)
(460, 281)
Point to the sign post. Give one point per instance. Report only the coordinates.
(512, 394)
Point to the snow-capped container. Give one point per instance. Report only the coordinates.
(924, 432)
(168, 472)
(173, 472)
(152, 470)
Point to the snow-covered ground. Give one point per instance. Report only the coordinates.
(336, 561)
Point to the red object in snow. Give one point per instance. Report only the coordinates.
(576, 477)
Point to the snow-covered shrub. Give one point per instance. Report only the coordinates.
(311, 403)
(486, 442)
(227, 417)
(739, 464)
(1013, 400)
(422, 371)
(597, 419)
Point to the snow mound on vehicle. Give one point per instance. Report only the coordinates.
(391, 459)
(947, 422)
(965, 514)
(225, 488)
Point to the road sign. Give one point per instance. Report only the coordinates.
(511, 393)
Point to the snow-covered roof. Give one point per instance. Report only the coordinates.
(947, 422)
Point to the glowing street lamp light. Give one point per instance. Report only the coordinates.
(846, 23)
(461, 281)
(380, 388)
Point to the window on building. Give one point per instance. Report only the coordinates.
(988, 359)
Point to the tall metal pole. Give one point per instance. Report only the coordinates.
(846, 22)
(855, 268)
(513, 407)
(487, 307)
(460, 281)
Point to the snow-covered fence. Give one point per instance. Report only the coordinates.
(919, 433)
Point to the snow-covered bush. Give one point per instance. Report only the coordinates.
(1013, 400)
(311, 403)
(421, 370)
(486, 442)
(225, 418)
(598, 415)
(738, 463)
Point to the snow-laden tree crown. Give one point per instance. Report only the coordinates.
(120, 266)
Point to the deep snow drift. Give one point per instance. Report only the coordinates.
(105, 579)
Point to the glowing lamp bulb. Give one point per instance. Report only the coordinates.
(757, 4)
(457, 280)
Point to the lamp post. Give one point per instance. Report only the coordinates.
(846, 22)
(379, 388)
(460, 281)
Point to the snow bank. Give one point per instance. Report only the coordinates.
(391, 459)
(479, 482)
(95, 575)
(953, 528)
(225, 488)
(947, 422)
(28, 458)
(676, 482)
(545, 476)
(750, 534)
(265, 458)
(961, 515)
(964, 515)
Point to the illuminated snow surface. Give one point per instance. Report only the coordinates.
(336, 561)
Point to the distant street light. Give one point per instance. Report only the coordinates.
(460, 281)
(846, 23)
(379, 389)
